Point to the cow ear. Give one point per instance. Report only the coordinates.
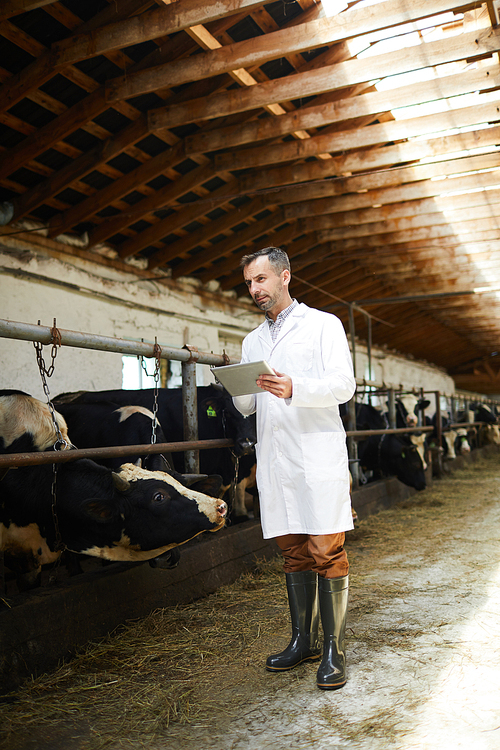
(209, 486)
(99, 510)
(121, 484)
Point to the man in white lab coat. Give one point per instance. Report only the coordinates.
(302, 465)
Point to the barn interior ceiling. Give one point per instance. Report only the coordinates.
(361, 136)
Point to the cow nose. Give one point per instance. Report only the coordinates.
(244, 446)
(222, 510)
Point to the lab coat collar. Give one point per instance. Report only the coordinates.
(291, 321)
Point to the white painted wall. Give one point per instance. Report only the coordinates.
(102, 300)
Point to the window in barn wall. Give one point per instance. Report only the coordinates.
(135, 378)
(174, 379)
(133, 375)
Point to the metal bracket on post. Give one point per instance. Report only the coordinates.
(190, 408)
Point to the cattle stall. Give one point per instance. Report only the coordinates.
(99, 600)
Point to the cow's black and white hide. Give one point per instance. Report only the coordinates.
(106, 424)
(132, 515)
(388, 454)
(217, 418)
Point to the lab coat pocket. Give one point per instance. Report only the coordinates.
(325, 457)
(299, 356)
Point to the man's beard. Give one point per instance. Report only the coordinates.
(266, 304)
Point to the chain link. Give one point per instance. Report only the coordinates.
(47, 373)
(60, 442)
(157, 353)
(156, 377)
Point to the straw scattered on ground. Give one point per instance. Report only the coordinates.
(182, 667)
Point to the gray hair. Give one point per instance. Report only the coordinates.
(278, 259)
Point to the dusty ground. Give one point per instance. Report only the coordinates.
(423, 652)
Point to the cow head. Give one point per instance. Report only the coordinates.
(407, 408)
(26, 424)
(462, 445)
(403, 460)
(149, 513)
(241, 430)
(134, 515)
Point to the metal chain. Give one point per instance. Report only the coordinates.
(47, 373)
(157, 353)
(60, 442)
(156, 376)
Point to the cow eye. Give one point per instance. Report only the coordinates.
(159, 497)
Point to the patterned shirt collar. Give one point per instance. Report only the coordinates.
(275, 326)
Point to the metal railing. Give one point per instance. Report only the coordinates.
(189, 356)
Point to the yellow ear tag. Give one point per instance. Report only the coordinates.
(211, 412)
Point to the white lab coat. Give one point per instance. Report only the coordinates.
(302, 465)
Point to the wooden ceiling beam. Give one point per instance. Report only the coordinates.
(79, 167)
(182, 216)
(475, 213)
(95, 159)
(353, 201)
(103, 36)
(120, 187)
(123, 140)
(349, 108)
(224, 248)
(111, 148)
(366, 161)
(76, 116)
(152, 24)
(45, 67)
(446, 246)
(373, 135)
(398, 177)
(465, 46)
(440, 205)
(459, 230)
(229, 271)
(161, 197)
(11, 8)
(271, 46)
(416, 173)
(202, 236)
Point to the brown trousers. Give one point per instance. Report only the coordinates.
(323, 553)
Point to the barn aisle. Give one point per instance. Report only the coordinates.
(423, 651)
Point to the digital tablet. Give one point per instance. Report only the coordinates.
(239, 380)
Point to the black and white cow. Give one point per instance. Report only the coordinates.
(217, 418)
(388, 454)
(105, 424)
(131, 515)
(453, 440)
(26, 424)
(408, 407)
(489, 433)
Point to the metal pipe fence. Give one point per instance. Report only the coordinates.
(190, 356)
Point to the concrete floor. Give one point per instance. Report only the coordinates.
(423, 638)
